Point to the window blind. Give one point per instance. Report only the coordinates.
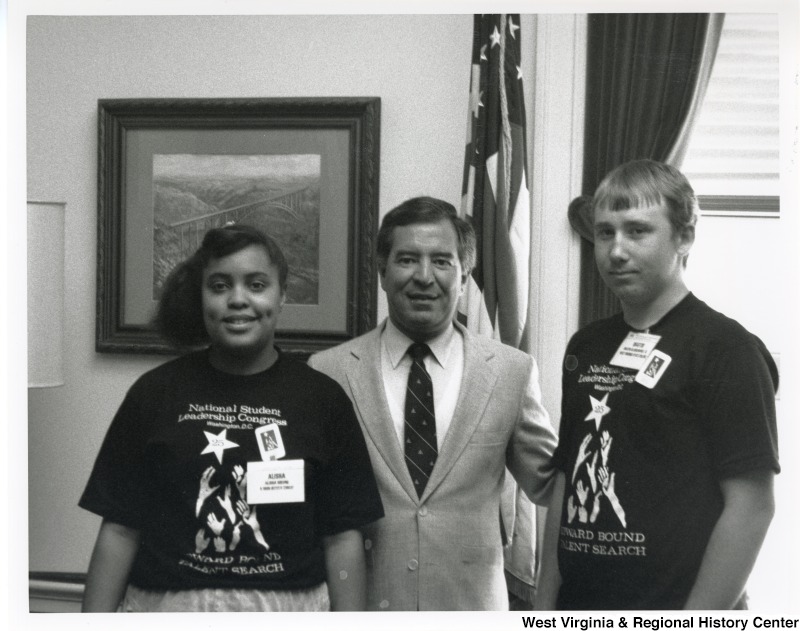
(733, 150)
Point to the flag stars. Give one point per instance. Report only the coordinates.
(512, 28)
(519, 72)
(495, 37)
(476, 102)
(483, 53)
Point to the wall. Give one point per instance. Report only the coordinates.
(746, 267)
(418, 65)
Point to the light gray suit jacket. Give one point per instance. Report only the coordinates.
(443, 551)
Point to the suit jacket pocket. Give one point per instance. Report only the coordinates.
(482, 555)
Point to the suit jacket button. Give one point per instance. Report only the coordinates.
(423, 510)
(413, 564)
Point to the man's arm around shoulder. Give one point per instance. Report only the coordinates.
(532, 443)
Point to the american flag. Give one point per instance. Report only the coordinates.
(495, 187)
(495, 198)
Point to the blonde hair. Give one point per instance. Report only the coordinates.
(648, 183)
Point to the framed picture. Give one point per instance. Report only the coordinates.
(303, 170)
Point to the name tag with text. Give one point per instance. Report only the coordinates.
(276, 482)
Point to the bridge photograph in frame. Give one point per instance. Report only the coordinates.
(305, 171)
(278, 194)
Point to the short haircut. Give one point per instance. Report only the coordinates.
(427, 210)
(180, 310)
(648, 183)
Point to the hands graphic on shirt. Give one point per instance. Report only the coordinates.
(583, 492)
(244, 509)
(592, 468)
(607, 480)
(237, 512)
(205, 489)
(236, 536)
(605, 446)
(226, 504)
(240, 477)
(596, 506)
(217, 527)
(249, 518)
(215, 524)
(587, 497)
(583, 454)
(201, 541)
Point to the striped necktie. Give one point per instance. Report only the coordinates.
(420, 427)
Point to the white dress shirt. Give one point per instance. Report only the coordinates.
(445, 365)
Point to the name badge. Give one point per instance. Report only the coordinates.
(634, 350)
(653, 369)
(276, 482)
(270, 442)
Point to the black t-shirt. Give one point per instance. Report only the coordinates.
(174, 465)
(643, 464)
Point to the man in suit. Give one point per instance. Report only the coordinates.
(444, 414)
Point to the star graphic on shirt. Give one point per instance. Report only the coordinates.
(217, 444)
(599, 410)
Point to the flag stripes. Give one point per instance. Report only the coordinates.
(495, 190)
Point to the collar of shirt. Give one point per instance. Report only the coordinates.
(445, 365)
(397, 344)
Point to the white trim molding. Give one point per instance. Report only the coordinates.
(557, 173)
(55, 592)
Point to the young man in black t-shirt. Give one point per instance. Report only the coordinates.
(668, 446)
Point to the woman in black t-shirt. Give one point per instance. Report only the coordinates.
(233, 478)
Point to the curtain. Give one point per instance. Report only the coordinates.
(678, 151)
(646, 73)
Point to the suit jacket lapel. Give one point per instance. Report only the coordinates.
(369, 395)
(477, 384)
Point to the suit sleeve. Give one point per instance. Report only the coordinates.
(532, 443)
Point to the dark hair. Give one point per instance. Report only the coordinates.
(648, 183)
(180, 310)
(427, 210)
